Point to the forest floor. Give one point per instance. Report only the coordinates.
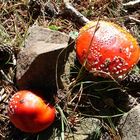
(15, 19)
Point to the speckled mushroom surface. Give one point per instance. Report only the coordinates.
(106, 47)
(29, 112)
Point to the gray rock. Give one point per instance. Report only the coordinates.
(87, 130)
(70, 63)
(38, 33)
(129, 124)
(36, 63)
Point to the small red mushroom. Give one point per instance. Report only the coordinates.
(107, 48)
(29, 112)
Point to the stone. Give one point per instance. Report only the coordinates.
(37, 62)
(129, 125)
(87, 130)
(70, 63)
(38, 33)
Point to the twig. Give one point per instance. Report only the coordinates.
(132, 4)
(2, 135)
(76, 15)
(2, 95)
(134, 19)
(6, 77)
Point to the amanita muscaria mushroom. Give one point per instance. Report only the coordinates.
(106, 47)
(29, 112)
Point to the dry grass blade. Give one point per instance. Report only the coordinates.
(79, 98)
(112, 131)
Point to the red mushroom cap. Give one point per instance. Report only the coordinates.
(108, 48)
(29, 112)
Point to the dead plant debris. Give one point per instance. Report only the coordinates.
(77, 101)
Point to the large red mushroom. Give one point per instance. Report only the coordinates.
(105, 48)
(29, 112)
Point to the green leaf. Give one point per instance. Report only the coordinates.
(54, 27)
(73, 34)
